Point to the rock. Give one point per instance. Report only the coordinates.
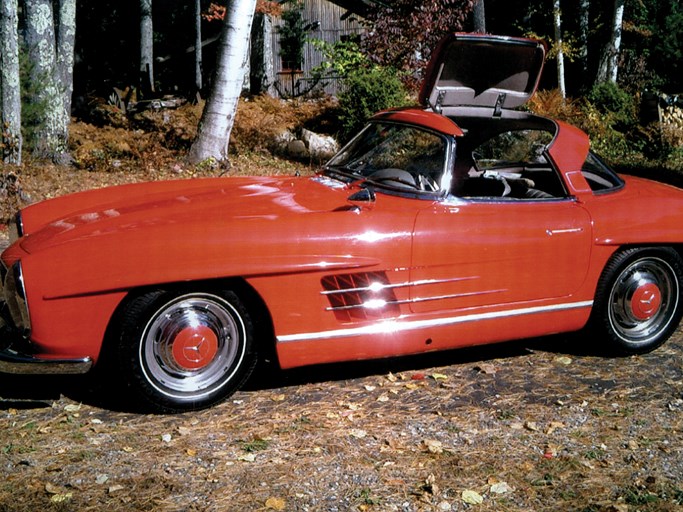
(320, 147)
(297, 149)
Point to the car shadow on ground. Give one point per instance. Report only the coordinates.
(32, 391)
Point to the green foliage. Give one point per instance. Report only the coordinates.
(292, 36)
(365, 92)
(610, 99)
(340, 58)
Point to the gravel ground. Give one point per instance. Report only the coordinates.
(536, 425)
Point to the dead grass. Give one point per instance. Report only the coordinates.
(527, 426)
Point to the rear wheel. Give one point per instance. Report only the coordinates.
(638, 302)
(181, 351)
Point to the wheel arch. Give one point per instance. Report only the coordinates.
(264, 336)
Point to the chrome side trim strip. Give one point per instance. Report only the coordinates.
(395, 326)
(374, 305)
(375, 287)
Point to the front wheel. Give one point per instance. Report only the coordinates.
(638, 302)
(180, 351)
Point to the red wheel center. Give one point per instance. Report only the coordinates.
(646, 301)
(195, 347)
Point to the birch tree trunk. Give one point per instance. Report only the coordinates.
(66, 42)
(557, 17)
(146, 47)
(51, 141)
(10, 106)
(479, 14)
(609, 62)
(198, 82)
(584, 11)
(213, 133)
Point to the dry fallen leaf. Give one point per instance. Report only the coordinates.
(72, 408)
(52, 488)
(115, 488)
(531, 425)
(357, 433)
(384, 397)
(275, 504)
(433, 446)
(278, 398)
(563, 360)
(554, 425)
(247, 457)
(62, 498)
(486, 368)
(500, 488)
(439, 376)
(369, 388)
(472, 497)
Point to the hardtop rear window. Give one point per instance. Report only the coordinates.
(599, 176)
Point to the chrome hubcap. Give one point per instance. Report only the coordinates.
(643, 300)
(192, 346)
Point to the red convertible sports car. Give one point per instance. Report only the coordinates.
(461, 222)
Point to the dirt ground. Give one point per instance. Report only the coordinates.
(545, 424)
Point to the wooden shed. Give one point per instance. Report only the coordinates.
(325, 20)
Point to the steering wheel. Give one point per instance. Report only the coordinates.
(396, 175)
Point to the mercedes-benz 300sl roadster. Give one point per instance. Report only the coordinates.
(462, 221)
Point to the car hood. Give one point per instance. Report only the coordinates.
(483, 71)
(185, 204)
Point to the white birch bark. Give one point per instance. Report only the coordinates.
(609, 63)
(213, 133)
(66, 42)
(10, 106)
(557, 17)
(198, 82)
(52, 140)
(146, 47)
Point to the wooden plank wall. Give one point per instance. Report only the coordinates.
(331, 29)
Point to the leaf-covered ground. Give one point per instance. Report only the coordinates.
(536, 425)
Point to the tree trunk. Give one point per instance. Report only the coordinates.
(557, 18)
(198, 82)
(146, 47)
(66, 42)
(10, 121)
(584, 20)
(479, 14)
(213, 133)
(609, 63)
(261, 72)
(51, 141)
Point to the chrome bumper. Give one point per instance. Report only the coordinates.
(15, 362)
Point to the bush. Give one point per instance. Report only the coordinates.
(610, 99)
(365, 92)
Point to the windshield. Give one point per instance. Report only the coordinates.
(395, 155)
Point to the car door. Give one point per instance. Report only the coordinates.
(483, 253)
